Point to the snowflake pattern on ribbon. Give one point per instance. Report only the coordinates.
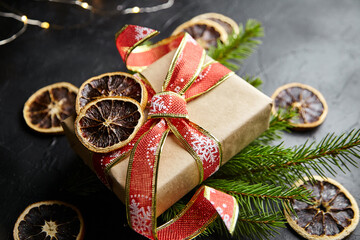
(142, 32)
(221, 210)
(205, 148)
(140, 218)
(157, 104)
(152, 150)
(203, 74)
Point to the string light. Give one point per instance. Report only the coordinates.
(119, 8)
(156, 8)
(26, 21)
(85, 5)
(135, 9)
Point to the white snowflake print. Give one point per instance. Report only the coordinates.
(151, 150)
(177, 89)
(141, 32)
(161, 124)
(224, 217)
(205, 147)
(116, 154)
(219, 210)
(203, 74)
(140, 218)
(157, 104)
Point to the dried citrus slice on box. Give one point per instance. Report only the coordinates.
(204, 31)
(111, 84)
(108, 123)
(227, 23)
(333, 215)
(45, 109)
(49, 220)
(306, 100)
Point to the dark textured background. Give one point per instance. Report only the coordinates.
(312, 42)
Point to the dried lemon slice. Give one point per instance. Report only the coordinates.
(108, 123)
(334, 214)
(204, 31)
(227, 23)
(49, 220)
(48, 106)
(306, 100)
(111, 84)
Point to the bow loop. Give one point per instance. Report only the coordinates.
(168, 105)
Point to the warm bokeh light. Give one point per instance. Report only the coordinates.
(24, 18)
(45, 25)
(84, 5)
(135, 9)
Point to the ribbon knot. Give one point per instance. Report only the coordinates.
(168, 105)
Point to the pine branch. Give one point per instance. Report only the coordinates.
(255, 81)
(239, 46)
(279, 165)
(251, 222)
(259, 197)
(259, 226)
(278, 124)
(250, 225)
(250, 177)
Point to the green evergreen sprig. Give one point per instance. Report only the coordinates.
(280, 165)
(279, 124)
(255, 81)
(259, 197)
(259, 178)
(239, 46)
(250, 225)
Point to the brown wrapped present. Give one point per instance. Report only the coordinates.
(234, 112)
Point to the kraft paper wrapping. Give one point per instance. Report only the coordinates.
(234, 112)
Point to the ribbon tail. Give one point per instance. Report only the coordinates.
(226, 206)
(203, 208)
(141, 182)
(132, 36)
(203, 146)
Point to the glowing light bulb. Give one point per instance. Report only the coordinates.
(84, 5)
(45, 25)
(24, 18)
(135, 9)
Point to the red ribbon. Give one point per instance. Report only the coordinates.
(187, 78)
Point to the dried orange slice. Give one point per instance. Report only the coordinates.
(111, 84)
(49, 220)
(108, 123)
(306, 100)
(227, 23)
(204, 31)
(45, 109)
(333, 215)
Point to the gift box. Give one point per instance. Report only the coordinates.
(234, 112)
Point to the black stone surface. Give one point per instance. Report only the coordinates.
(312, 42)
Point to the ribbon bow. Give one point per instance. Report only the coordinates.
(188, 77)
